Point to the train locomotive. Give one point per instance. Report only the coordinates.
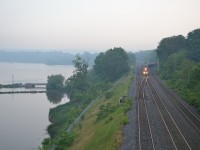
(145, 71)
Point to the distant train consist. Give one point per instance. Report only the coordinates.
(145, 71)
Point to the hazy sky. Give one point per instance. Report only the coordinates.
(95, 25)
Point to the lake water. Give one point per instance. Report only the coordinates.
(24, 117)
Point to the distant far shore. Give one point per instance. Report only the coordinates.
(48, 58)
(18, 92)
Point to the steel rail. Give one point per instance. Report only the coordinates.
(141, 96)
(158, 97)
(138, 114)
(139, 84)
(162, 118)
(192, 118)
(148, 118)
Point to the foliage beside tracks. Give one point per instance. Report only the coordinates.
(173, 44)
(80, 91)
(82, 87)
(112, 64)
(180, 67)
(101, 127)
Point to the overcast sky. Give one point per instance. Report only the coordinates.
(94, 25)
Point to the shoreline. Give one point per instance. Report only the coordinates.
(18, 92)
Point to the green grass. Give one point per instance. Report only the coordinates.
(62, 116)
(106, 133)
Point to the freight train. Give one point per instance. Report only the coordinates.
(145, 71)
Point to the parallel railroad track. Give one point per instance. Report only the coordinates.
(145, 138)
(175, 133)
(189, 115)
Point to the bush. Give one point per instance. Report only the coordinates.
(125, 120)
(107, 64)
(127, 105)
(55, 82)
(66, 139)
(46, 143)
(109, 119)
(108, 95)
(105, 110)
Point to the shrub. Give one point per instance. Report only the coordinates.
(108, 95)
(125, 120)
(66, 139)
(127, 105)
(105, 110)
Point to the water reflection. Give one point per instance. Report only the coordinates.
(55, 96)
(24, 117)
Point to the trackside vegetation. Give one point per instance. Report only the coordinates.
(180, 65)
(101, 127)
(83, 87)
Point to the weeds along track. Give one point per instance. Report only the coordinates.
(187, 113)
(145, 138)
(176, 136)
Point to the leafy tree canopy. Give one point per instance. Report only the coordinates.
(194, 79)
(131, 59)
(193, 45)
(180, 66)
(112, 64)
(55, 82)
(170, 45)
(78, 81)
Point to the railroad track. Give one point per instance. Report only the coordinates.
(175, 134)
(145, 138)
(187, 113)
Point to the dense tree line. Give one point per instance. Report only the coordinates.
(83, 87)
(108, 67)
(180, 64)
(49, 58)
(193, 45)
(112, 64)
(170, 45)
(77, 84)
(173, 44)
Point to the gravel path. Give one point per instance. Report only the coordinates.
(129, 132)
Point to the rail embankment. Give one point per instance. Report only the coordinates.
(101, 126)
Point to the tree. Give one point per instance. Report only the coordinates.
(194, 79)
(55, 82)
(193, 45)
(170, 45)
(131, 59)
(112, 64)
(78, 81)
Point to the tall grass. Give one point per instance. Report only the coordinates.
(101, 128)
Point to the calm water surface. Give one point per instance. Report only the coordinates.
(24, 117)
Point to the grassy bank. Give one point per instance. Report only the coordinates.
(106, 80)
(62, 117)
(101, 127)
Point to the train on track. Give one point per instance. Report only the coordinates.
(145, 71)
